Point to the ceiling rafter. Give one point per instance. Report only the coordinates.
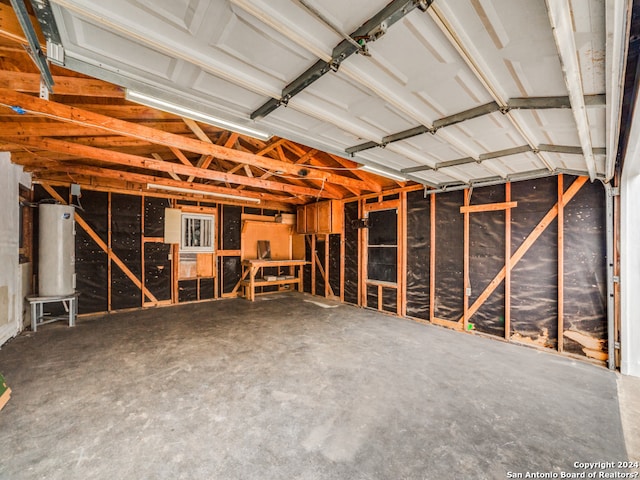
(78, 116)
(129, 160)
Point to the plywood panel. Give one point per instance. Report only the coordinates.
(278, 234)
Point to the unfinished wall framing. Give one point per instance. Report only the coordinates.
(521, 261)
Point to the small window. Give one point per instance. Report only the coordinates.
(197, 233)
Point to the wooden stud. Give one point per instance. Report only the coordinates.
(466, 277)
(380, 302)
(342, 258)
(64, 85)
(327, 287)
(109, 252)
(314, 256)
(528, 242)
(560, 263)
(402, 255)
(363, 258)
(490, 207)
(507, 265)
(142, 245)
(432, 260)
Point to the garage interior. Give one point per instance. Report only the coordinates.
(310, 239)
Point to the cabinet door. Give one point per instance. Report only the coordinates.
(312, 217)
(301, 220)
(324, 217)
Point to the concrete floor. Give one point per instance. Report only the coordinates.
(283, 388)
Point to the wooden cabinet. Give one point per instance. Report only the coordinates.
(321, 217)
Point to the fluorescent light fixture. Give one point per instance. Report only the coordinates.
(384, 173)
(202, 192)
(182, 111)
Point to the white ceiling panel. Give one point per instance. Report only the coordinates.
(236, 56)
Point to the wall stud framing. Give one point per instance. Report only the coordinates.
(507, 264)
(560, 263)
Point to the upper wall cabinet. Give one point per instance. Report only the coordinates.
(321, 217)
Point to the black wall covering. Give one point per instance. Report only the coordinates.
(486, 259)
(231, 216)
(126, 213)
(418, 260)
(585, 274)
(92, 276)
(390, 300)
(154, 216)
(320, 249)
(231, 273)
(372, 296)
(187, 290)
(351, 273)
(206, 288)
(534, 280)
(157, 269)
(449, 256)
(334, 264)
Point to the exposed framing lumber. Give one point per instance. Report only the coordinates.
(465, 268)
(432, 258)
(507, 264)
(75, 115)
(76, 86)
(490, 207)
(129, 160)
(560, 263)
(96, 238)
(528, 242)
(402, 256)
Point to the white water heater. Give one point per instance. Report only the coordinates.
(57, 261)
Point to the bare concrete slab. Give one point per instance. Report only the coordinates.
(283, 388)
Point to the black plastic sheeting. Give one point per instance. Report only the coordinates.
(92, 275)
(449, 256)
(372, 297)
(418, 251)
(334, 264)
(126, 213)
(157, 269)
(585, 267)
(231, 273)
(534, 280)
(351, 271)
(154, 216)
(486, 259)
(390, 300)
(382, 254)
(320, 283)
(231, 225)
(206, 288)
(187, 290)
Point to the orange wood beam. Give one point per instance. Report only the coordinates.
(77, 86)
(490, 207)
(128, 160)
(78, 116)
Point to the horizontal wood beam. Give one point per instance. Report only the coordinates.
(488, 207)
(10, 26)
(75, 115)
(142, 179)
(128, 160)
(33, 127)
(86, 87)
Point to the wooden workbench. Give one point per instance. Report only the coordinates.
(249, 282)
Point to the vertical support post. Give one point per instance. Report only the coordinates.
(616, 284)
(363, 239)
(610, 281)
(313, 264)
(342, 260)
(142, 244)
(175, 266)
(380, 303)
(507, 264)
(560, 263)
(109, 252)
(327, 287)
(467, 283)
(402, 255)
(432, 259)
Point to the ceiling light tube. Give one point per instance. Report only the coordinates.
(183, 111)
(384, 173)
(202, 192)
